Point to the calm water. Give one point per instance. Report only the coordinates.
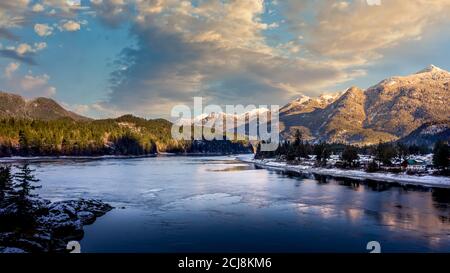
(200, 204)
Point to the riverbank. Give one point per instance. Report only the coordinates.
(404, 179)
(55, 224)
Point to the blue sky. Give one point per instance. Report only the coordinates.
(104, 58)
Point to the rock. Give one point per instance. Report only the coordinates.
(86, 217)
(33, 246)
(55, 224)
(11, 250)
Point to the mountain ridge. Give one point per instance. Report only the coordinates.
(16, 106)
(428, 134)
(387, 111)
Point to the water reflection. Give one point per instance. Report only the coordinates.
(410, 211)
(235, 168)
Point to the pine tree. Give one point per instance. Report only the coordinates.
(350, 155)
(385, 152)
(402, 151)
(24, 181)
(23, 143)
(322, 153)
(441, 154)
(298, 138)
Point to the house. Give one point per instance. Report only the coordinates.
(414, 165)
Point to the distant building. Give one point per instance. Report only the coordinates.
(414, 165)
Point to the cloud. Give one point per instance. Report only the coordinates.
(8, 35)
(28, 85)
(70, 26)
(43, 29)
(214, 49)
(355, 32)
(24, 49)
(113, 12)
(229, 51)
(33, 86)
(22, 52)
(65, 8)
(14, 5)
(12, 13)
(37, 8)
(10, 69)
(98, 110)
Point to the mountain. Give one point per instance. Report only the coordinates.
(400, 105)
(428, 134)
(387, 111)
(15, 106)
(305, 104)
(220, 119)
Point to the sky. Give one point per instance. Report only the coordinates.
(105, 58)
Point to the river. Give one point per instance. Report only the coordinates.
(218, 204)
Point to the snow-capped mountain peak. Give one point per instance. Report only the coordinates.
(431, 69)
(302, 99)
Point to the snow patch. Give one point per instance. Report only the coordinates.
(421, 180)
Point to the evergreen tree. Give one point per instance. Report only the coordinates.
(24, 184)
(441, 154)
(402, 151)
(23, 143)
(297, 138)
(322, 153)
(385, 152)
(350, 155)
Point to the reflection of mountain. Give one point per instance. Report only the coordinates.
(14, 106)
(387, 111)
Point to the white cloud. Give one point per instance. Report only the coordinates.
(36, 85)
(70, 26)
(12, 13)
(98, 110)
(64, 7)
(23, 49)
(355, 32)
(22, 52)
(10, 69)
(28, 85)
(37, 8)
(40, 46)
(43, 29)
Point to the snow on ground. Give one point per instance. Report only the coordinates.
(248, 158)
(422, 180)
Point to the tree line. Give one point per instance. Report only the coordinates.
(127, 135)
(383, 153)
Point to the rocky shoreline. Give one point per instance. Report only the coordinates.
(56, 223)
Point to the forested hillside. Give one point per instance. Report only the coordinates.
(127, 135)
